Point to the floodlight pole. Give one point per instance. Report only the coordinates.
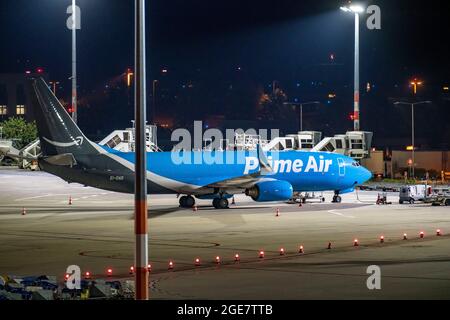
(74, 62)
(356, 123)
(141, 253)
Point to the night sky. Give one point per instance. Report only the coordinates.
(244, 46)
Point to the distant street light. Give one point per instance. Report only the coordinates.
(54, 84)
(413, 146)
(356, 9)
(301, 109)
(415, 83)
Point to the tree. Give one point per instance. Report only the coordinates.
(271, 106)
(20, 131)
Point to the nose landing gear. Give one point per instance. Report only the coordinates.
(336, 198)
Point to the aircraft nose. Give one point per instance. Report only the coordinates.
(365, 175)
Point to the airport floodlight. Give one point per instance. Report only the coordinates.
(356, 9)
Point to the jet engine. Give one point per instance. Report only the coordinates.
(275, 190)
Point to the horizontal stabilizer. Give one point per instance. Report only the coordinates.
(66, 159)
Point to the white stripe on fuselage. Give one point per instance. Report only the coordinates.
(167, 183)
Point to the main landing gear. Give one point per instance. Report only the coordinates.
(336, 198)
(187, 201)
(221, 203)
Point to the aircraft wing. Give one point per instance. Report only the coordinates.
(241, 182)
(248, 180)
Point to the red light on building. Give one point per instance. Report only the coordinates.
(109, 272)
(87, 275)
(351, 116)
(40, 70)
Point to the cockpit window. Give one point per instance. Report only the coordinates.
(356, 164)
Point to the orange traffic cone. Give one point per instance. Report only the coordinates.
(277, 214)
(24, 211)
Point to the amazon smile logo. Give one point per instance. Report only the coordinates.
(78, 142)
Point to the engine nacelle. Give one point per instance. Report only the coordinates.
(270, 191)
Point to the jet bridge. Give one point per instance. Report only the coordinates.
(355, 144)
(124, 140)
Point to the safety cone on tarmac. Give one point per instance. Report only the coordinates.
(277, 212)
(438, 232)
(355, 243)
(405, 236)
(382, 239)
(301, 249)
(421, 234)
(24, 211)
(195, 208)
(70, 200)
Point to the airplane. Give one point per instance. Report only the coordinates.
(265, 177)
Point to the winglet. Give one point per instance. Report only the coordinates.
(264, 164)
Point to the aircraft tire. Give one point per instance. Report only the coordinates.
(183, 201)
(187, 202)
(190, 202)
(221, 203)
